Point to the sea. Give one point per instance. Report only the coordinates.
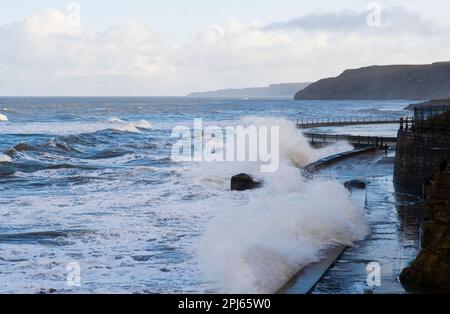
(92, 202)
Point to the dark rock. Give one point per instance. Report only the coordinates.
(11, 152)
(243, 182)
(355, 184)
(23, 147)
(431, 269)
(436, 236)
(429, 81)
(428, 272)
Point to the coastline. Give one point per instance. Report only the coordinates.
(393, 220)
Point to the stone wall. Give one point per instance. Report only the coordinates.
(417, 158)
(431, 269)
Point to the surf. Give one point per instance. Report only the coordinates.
(258, 242)
(75, 127)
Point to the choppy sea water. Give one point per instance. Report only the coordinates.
(90, 181)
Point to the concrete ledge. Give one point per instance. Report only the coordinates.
(305, 281)
(322, 163)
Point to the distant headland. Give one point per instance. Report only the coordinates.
(287, 90)
(410, 82)
(431, 103)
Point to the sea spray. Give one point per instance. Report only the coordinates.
(257, 243)
(3, 117)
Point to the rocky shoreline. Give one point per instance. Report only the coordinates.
(431, 269)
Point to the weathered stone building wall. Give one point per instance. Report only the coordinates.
(431, 269)
(418, 156)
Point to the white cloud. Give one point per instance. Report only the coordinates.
(43, 55)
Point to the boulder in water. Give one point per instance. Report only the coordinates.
(355, 184)
(243, 182)
(23, 147)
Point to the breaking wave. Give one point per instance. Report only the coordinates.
(3, 117)
(71, 127)
(257, 242)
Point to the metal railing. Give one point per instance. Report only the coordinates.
(347, 120)
(424, 113)
(435, 119)
(377, 141)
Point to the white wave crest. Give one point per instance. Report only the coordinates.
(5, 158)
(3, 117)
(71, 127)
(133, 127)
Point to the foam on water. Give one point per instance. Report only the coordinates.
(5, 158)
(72, 127)
(3, 117)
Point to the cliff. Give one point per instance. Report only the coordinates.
(389, 82)
(431, 269)
(276, 90)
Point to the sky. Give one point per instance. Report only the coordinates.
(174, 47)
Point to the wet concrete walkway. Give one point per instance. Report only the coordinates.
(394, 220)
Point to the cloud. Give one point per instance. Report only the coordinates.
(392, 19)
(43, 55)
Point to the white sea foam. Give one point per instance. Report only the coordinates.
(258, 242)
(3, 117)
(71, 127)
(124, 126)
(5, 158)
